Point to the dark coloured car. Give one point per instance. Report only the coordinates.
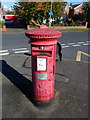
(8, 22)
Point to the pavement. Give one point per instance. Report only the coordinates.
(71, 86)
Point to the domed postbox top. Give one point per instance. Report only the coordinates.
(43, 33)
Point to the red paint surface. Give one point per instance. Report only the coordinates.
(43, 89)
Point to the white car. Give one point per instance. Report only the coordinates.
(8, 22)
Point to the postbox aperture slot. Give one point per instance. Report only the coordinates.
(47, 53)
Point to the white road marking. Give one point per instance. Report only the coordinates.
(76, 45)
(88, 41)
(22, 51)
(4, 54)
(81, 42)
(86, 44)
(3, 51)
(71, 43)
(65, 46)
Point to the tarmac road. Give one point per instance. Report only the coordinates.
(15, 41)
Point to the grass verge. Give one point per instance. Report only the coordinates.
(76, 30)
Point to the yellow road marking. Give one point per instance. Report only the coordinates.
(78, 57)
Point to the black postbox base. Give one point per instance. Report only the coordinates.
(43, 103)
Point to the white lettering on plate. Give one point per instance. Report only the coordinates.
(41, 64)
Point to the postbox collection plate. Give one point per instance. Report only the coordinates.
(41, 64)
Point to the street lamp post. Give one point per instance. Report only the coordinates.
(50, 21)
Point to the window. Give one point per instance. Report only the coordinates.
(77, 11)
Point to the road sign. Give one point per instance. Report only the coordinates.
(50, 13)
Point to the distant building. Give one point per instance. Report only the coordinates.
(71, 10)
(1, 12)
(78, 9)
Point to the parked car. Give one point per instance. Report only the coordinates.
(59, 21)
(8, 22)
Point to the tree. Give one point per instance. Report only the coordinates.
(37, 10)
(58, 9)
(10, 12)
(0, 4)
(86, 10)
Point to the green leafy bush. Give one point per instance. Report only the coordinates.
(56, 24)
(60, 24)
(75, 24)
(67, 24)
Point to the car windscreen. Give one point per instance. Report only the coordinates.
(7, 20)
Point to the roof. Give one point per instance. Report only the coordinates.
(76, 6)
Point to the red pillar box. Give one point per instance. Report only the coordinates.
(43, 49)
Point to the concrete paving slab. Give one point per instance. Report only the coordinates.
(71, 86)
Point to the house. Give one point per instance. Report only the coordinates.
(71, 10)
(78, 8)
